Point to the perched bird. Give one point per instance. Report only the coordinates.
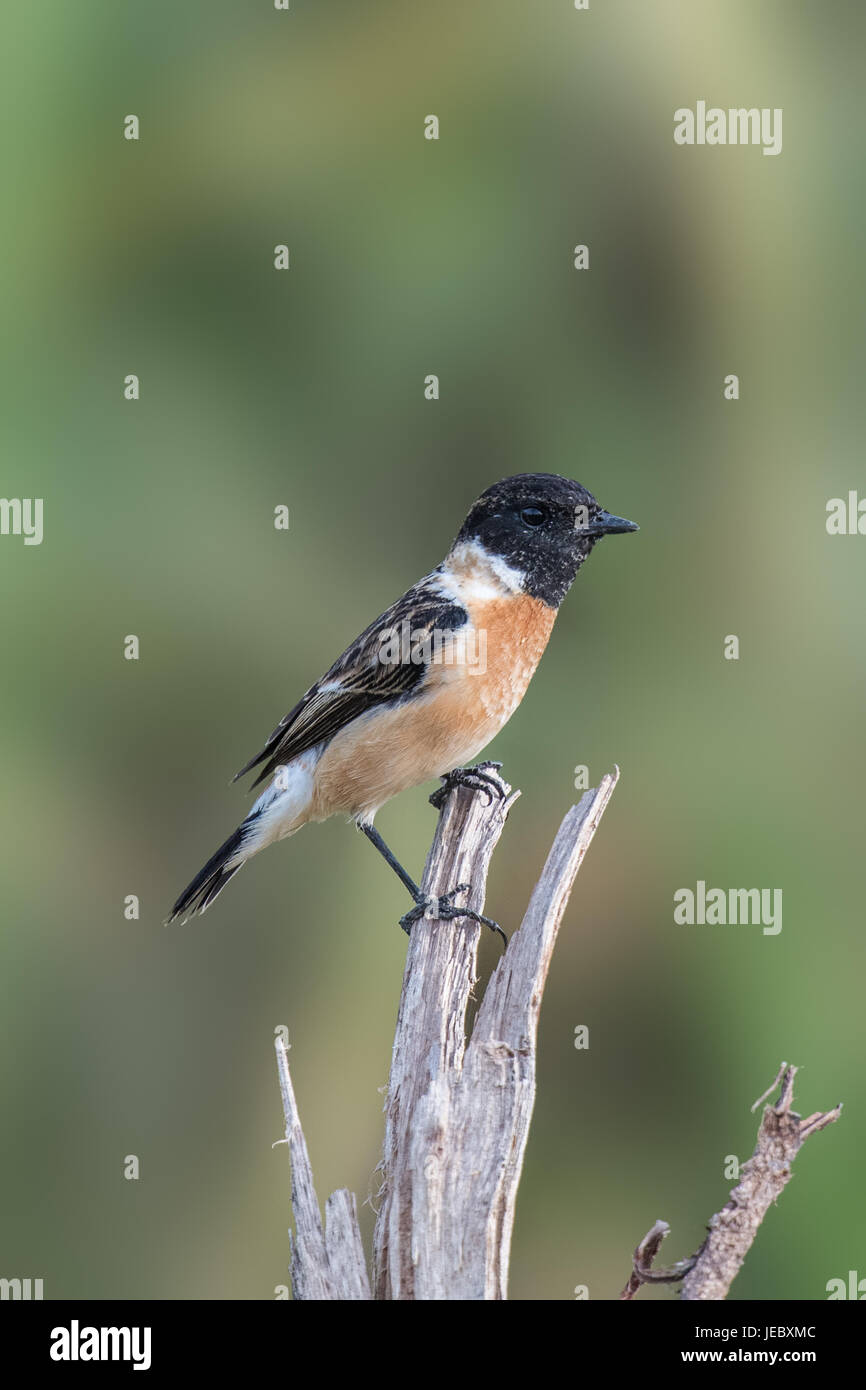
(427, 685)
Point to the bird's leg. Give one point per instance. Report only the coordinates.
(442, 907)
(475, 778)
(376, 839)
(445, 910)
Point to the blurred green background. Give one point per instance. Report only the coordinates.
(411, 257)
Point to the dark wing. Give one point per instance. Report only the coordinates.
(380, 667)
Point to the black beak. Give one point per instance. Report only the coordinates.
(606, 525)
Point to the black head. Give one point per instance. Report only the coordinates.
(541, 525)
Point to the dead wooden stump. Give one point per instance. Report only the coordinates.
(458, 1110)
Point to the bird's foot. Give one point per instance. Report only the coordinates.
(444, 909)
(474, 777)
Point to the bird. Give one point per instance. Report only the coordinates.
(423, 690)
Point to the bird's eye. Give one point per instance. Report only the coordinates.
(531, 516)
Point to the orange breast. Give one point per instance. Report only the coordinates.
(517, 630)
(469, 693)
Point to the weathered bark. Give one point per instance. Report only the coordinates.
(457, 1112)
(708, 1275)
(457, 1115)
(326, 1263)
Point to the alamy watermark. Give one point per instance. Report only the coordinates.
(403, 645)
(21, 1290)
(77, 1343)
(736, 125)
(22, 516)
(846, 516)
(732, 907)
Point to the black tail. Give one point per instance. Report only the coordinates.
(211, 880)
